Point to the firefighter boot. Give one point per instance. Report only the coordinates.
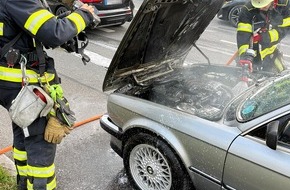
(21, 183)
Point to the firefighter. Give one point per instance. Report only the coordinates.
(262, 25)
(27, 27)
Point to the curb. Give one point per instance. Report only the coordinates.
(8, 164)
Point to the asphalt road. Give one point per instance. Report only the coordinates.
(84, 159)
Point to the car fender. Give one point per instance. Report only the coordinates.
(160, 131)
(133, 115)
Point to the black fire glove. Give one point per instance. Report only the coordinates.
(64, 113)
(71, 45)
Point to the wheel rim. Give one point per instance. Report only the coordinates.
(149, 168)
(61, 10)
(234, 17)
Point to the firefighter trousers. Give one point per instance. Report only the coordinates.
(273, 63)
(33, 156)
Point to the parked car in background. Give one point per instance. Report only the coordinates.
(111, 12)
(180, 125)
(230, 11)
(57, 7)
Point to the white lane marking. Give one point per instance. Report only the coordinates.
(99, 59)
(208, 30)
(103, 45)
(96, 58)
(105, 62)
(228, 42)
(216, 50)
(106, 30)
(285, 45)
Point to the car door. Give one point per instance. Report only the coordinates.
(250, 164)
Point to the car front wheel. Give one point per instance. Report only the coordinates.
(60, 10)
(234, 15)
(151, 164)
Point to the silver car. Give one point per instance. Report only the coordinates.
(180, 125)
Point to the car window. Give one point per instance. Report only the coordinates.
(284, 131)
(285, 136)
(267, 99)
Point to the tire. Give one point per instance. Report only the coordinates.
(151, 164)
(60, 10)
(234, 15)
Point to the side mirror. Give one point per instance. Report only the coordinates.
(272, 134)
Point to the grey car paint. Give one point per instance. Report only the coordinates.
(202, 145)
(218, 153)
(253, 166)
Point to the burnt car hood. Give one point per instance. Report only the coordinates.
(158, 40)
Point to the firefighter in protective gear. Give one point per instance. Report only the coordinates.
(34, 27)
(262, 25)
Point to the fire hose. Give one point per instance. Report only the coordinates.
(77, 124)
(232, 58)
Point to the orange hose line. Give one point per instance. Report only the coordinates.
(232, 58)
(80, 123)
(77, 124)
(4, 150)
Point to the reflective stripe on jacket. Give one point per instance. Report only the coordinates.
(276, 21)
(37, 23)
(15, 75)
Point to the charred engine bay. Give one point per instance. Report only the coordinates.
(200, 90)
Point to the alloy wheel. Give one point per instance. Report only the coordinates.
(149, 168)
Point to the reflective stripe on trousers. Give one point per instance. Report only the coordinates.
(32, 151)
(33, 177)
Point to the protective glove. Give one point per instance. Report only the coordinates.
(61, 106)
(246, 59)
(258, 35)
(71, 45)
(64, 113)
(55, 91)
(55, 131)
(77, 4)
(257, 38)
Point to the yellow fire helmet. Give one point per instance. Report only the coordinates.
(261, 3)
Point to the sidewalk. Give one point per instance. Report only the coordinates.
(7, 164)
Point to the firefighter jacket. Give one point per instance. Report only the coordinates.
(37, 24)
(274, 23)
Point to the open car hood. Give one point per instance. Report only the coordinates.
(158, 40)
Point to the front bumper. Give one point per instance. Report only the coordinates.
(115, 16)
(116, 142)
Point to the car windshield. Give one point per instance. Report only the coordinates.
(268, 98)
